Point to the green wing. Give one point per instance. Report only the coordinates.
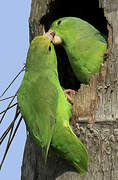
(37, 96)
(84, 45)
(45, 108)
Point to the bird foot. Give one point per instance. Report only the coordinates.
(67, 91)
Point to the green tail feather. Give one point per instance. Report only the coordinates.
(70, 147)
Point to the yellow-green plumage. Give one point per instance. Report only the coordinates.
(37, 92)
(45, 108)
(84, 45)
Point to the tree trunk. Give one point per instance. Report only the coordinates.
(95, 108)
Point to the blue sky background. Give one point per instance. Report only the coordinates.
(14, 43)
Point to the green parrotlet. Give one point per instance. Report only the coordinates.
(84, 45)
(45, 108)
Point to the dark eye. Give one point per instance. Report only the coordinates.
(59, 22)
(49, 48)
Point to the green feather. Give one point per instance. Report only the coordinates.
(45, 108)
(37, 96)
(84, 45)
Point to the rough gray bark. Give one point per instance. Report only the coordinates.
(95, 112)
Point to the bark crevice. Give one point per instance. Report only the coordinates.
(95, 109)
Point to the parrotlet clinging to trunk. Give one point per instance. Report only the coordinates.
(45, 108)
(84, 45)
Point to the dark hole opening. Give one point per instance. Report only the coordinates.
(86, 10)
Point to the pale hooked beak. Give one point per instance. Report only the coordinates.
(55, 39)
